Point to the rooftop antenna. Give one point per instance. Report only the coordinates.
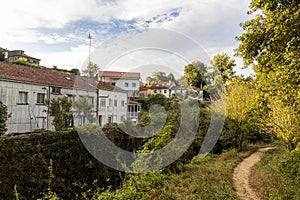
(90, 38)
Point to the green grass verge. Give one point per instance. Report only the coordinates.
(271, 180)
(205, 178)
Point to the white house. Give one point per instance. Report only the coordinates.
(112, 103)
(24, 90)
(129, 81)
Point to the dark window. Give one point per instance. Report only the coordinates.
(56, 90)
(23, 98)
(40, 98)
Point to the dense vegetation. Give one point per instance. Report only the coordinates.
(258, 110)
(35, 165)
(277, 176)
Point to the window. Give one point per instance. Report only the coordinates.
(122, 103)
(109, 119)
(56, 90)
(115, 103)
(103, 102)
(126, 84)
(110, 102)
(71, 97)
(23, 97)
(133, 84)
(40, 98)
(91, 100)
(165, 91)
(113, 83)
(154, 91)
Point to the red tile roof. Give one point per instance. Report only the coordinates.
(49, 77)
(109, 86)
(115, 74)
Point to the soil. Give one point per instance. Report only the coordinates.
(242, 174)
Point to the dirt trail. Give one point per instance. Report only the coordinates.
(242, 173)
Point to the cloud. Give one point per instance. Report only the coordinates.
(62, 25)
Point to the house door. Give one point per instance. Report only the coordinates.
(100, 120)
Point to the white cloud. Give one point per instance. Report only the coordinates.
(211, 23)
(73, 58)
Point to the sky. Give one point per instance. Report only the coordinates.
(139, 34)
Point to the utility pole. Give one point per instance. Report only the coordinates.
(90, 38)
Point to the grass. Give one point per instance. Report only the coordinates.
(208, 178)
(271, 180)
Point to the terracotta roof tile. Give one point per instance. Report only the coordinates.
(110, 87)
(44, 76)
(120, 74)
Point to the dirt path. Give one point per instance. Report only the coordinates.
(242, 173)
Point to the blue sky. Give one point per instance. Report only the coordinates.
(56, 31)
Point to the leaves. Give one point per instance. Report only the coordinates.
(3, 118)
(271, 44)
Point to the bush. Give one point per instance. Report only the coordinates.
(291, 163)
(3, 118)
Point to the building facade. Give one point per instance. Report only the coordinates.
(25, 91)
(17, 54)
(129, 81)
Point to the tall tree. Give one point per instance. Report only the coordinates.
(84, 108)
(224, 65)
(2, 58)
(61, 110)
(91, 71)
(271, 44)
(195, 74)
(3, 118)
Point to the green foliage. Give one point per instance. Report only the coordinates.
(195, 74)
(23, 61)
(91, 71)
(61, 110)
(72, 71)
(85, 108)
(159, 77)
(270, 44)
(208, 177)
(224, 65)
(240, 126)
(75, 71)
(136, 186)
(291, 163)
(272, 180)
(25, 163)
(3, 118)
(2, 58)
(50, 194)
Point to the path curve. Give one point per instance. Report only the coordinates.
(242, 173)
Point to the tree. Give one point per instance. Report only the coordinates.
(2, 58)
(195, 74)
(75, 71)
(91, 71)
(84, 107)
(240, 124)
(3, 118)
(224, 65)
(270, 44)
(61, 110)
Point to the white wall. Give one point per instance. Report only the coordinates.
(118, 113)
(121, 83)
(24, 118)
(33, 116)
